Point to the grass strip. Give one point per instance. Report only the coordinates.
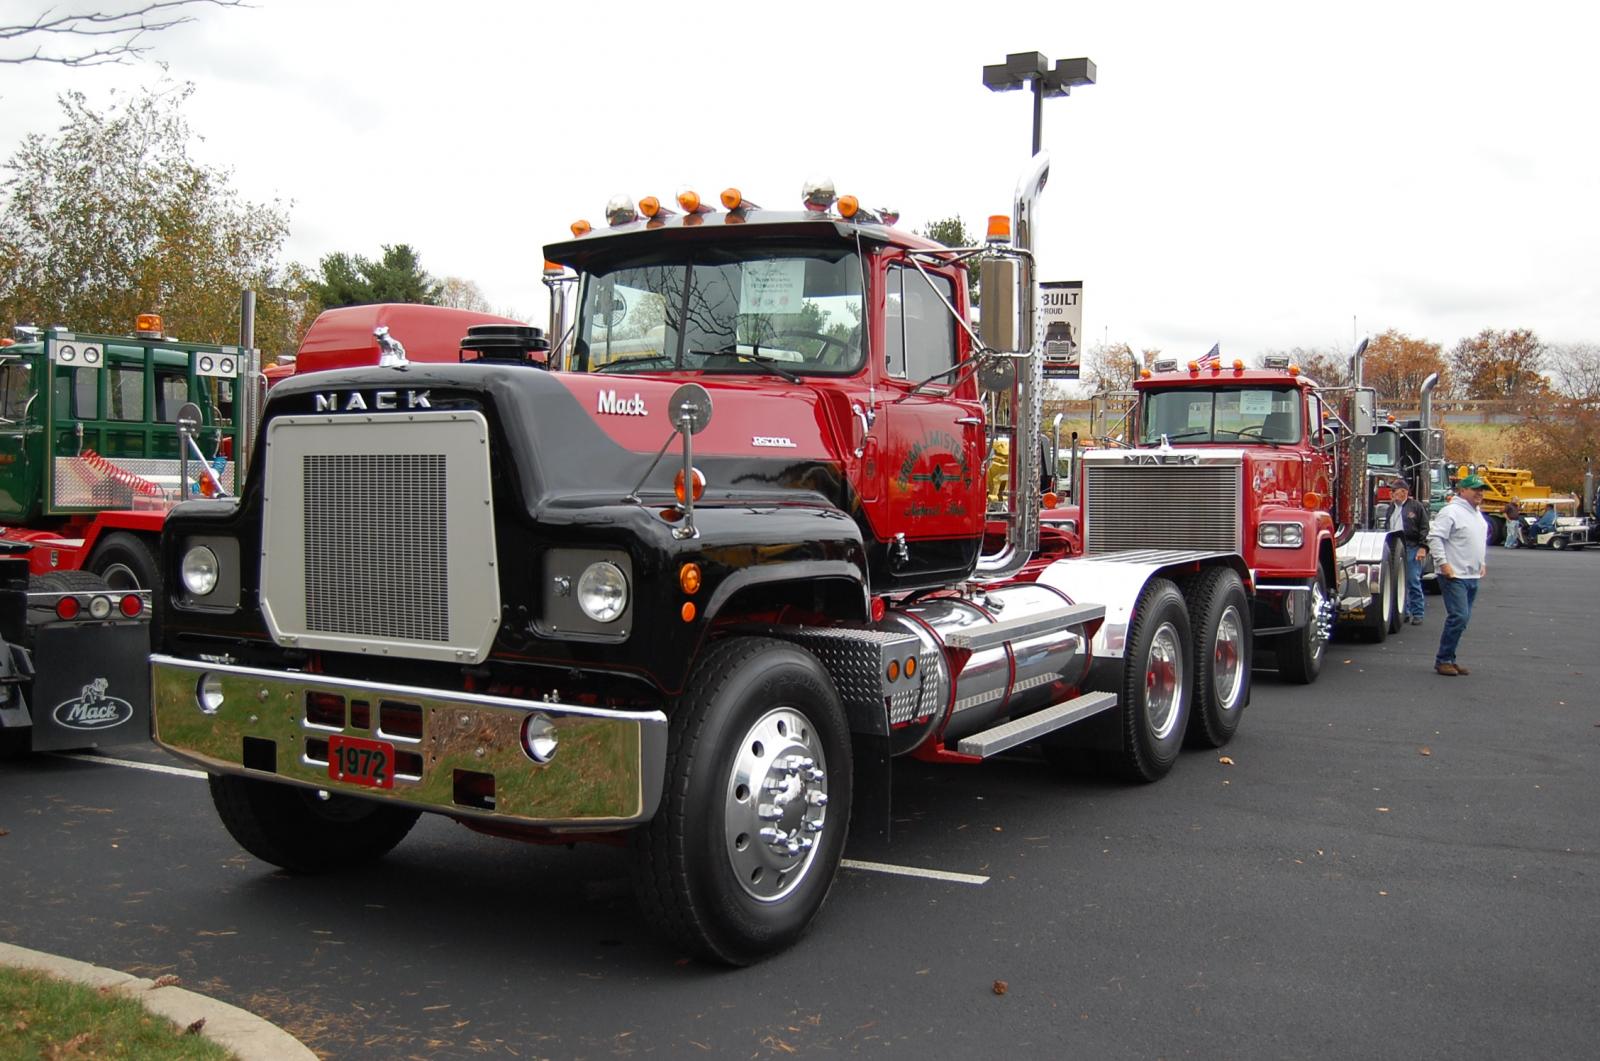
(44, 1019)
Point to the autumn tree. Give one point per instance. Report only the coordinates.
(1114, 367)
(110, 217)
(952, 232)
(1499, 365)
(459, 293)
(1560, 430)
(1329, 367)
(1396, 365)
(95, 38)
(397, 276)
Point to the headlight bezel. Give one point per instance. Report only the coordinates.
(1280, 534)
(602, 592)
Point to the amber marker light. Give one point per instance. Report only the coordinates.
(689, 201)
(731, 199)
(581, 228)
(1194, 368)
(1238, 365)
(147, 324)
(1311, 499)
(848, 205)
(553, 268)
(999, 228)
(1144, 373)
(699, 485)
(687, 612)
(893, 673)
(911, 666)
(1294, 370)
(689, 578)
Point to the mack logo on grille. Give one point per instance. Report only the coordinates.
(93, 709)
(610, 403)
(1161, 458)
(353, 401)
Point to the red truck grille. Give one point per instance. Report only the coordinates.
(1160, 506)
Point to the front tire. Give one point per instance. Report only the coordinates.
(291, 827)
(744, 848)
(1300, 652)
(1219, 616)
(1400, 592)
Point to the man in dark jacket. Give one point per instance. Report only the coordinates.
(1410, 517)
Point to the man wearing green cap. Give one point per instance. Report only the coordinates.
(1458, 540)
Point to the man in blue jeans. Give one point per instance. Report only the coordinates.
(1458, 539)
(1410, 517)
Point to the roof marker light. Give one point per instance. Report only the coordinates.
(732, 199)
(581, 227)
(689, 201)
(1238, 364)
(999, 228)
(148, 326)
(553, 269)
(651, 207)
(619, 211)
(817, 194)
(848, 205)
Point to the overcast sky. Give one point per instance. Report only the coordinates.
(1260, 175)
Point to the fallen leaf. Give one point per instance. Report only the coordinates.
(1225, 761)
(20, 1027)
(167, 980)
(7, 832)
(1349, 661)
(999, 829)
(1001, 987)
(1383, 893)
(1424, 751)
(1383, 810)
(194, 1029)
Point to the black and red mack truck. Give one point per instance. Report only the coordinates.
(687, 583)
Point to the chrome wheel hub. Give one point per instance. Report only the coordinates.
(776, 805)
(1227, 662)
(1163, 682)
(1321, 618)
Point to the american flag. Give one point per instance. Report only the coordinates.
(1213, 356)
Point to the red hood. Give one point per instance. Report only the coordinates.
(342, 338)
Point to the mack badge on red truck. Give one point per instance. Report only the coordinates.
(689, 584)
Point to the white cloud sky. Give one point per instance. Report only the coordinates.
(1263, 175)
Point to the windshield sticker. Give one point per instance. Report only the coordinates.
(1255, 403)
(773, 286)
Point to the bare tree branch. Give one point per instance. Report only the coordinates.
(96, 38)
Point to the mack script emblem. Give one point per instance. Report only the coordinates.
(353, 402)
(1161, 458)
(610, 403)
(93, 709)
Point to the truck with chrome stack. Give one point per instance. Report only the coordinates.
(688, 582)
(1260, 462)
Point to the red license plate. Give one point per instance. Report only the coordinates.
(361, 761)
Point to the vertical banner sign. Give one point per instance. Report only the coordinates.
(1061, 313)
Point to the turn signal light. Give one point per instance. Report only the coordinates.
(1311, 499)
(687, 612)
(1050, 500)
(699, 485)
(894, 670)
(999, 228)
(689, 578)
(911, 666)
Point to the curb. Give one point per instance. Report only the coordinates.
(249, 1037)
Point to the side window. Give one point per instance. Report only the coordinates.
(86, 392)
(172, 390)
(16, 387)
(125, 393)
(919, 332)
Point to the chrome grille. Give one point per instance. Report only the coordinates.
(375, 555)
(378, 535)
(1161, 506)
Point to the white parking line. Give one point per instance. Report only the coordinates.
(848, 863)
(913, 871)
(155, 768)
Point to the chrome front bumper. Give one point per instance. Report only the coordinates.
(460, 753)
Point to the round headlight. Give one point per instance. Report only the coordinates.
(602, 591)
(199, 571)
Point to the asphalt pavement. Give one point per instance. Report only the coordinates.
(1390, 863)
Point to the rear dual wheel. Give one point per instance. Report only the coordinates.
(1219, 618)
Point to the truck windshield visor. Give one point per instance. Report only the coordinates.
(754, 309)
(1231, 415)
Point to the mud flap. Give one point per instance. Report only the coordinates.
(92, 685)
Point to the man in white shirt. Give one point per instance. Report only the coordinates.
(1458, 540)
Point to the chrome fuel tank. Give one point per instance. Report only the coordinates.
(968, 692)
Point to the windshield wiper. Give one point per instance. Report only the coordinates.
(771, 364)
(623, 362)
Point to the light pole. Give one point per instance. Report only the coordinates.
(1034, 69)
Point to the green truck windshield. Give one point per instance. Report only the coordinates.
(1221, 414)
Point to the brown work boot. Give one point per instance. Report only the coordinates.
(1462, 670)
(1448, 669)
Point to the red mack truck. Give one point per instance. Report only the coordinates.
(689, 587)
(1256, 462)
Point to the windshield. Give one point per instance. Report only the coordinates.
(754, 308)
(1223, 414)
(1383, 449)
